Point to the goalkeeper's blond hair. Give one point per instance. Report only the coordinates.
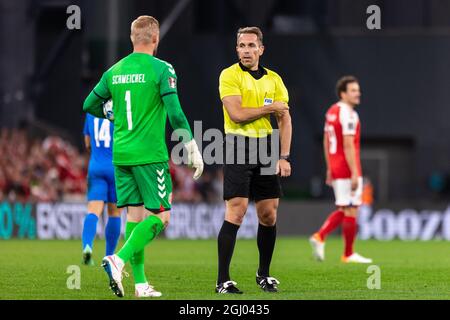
(143, 29)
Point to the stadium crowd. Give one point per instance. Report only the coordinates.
(52, 169)
(40, 169)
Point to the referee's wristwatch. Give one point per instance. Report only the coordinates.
(286, 157)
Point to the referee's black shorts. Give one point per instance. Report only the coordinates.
(246, 173)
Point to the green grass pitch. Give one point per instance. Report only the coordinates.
(186, 269)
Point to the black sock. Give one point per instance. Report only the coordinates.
(225, 246)
(266, 244)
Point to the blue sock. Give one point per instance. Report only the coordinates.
(89, 230)
(112, 234)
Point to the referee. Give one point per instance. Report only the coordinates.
(250, 93)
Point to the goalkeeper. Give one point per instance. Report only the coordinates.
(143, 90)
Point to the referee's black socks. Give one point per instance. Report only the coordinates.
(266, 244)
(225, 244)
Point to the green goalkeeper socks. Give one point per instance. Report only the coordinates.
(137, 260)
(142, 235)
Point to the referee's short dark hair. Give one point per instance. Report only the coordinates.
(341, 85)
(250, 30)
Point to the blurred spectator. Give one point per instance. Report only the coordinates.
(36, 170)
(218, 185)
(184, 186)
(52, 169)
(206, 189)
(367, 195)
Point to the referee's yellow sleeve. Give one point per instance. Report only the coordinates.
(229, 84)
(281, 93)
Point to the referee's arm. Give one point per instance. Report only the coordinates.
(239, 114)
(285, 125)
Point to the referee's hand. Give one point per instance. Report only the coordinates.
(279, 107)
(195, 159)
(283, 168)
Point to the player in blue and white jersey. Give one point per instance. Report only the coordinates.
(98, 138)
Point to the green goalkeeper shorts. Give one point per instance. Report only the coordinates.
(149, 185)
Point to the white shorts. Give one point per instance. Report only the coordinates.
(344, 194)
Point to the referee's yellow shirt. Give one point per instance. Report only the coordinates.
(256, 92)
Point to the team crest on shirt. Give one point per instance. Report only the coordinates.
(351, 126)
(172, 82)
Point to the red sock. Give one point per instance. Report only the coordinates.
(349, 230)
(333, 220)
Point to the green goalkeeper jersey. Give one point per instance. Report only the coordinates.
(137, 85)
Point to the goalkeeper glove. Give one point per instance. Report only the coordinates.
(108, 110)
(195, 159)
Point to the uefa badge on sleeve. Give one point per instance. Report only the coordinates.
(172, 82)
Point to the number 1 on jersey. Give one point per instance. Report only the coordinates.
(129, 115)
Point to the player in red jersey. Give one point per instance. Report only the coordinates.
(342, 155)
